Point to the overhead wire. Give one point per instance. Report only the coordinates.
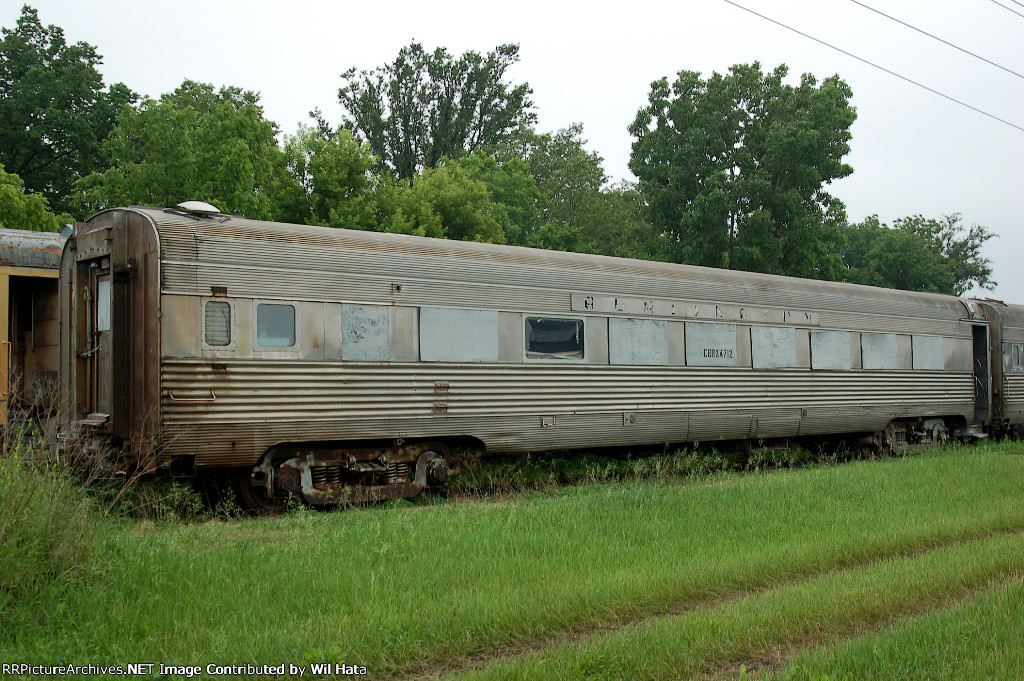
(934, 37)
(1008, 9)
(877, 66)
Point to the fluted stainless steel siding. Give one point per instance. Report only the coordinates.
(502, 405)
(1014, 394)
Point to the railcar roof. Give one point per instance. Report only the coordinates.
(179, 231)
(22, 248)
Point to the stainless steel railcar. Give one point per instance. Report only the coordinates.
(342, 365)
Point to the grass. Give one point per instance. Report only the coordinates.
(757, 625)
(505, 474)
(411, 589)
(979, 638)
(46, 526)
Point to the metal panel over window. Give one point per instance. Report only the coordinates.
(831, 350)
(275, 325)
(554, 338)
(638, 341)
(711, 345)
(929, 353)
(448, 335)
(879, 351)
(365, 333)
(773, 347)
(217, 323)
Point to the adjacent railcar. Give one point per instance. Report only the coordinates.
(28, 328)
(1008, 369)
(343, 365)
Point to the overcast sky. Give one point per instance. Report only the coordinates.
(913, 152)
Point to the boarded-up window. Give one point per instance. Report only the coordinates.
(638, 341)
(548, 338)
(879, 351)
(830, 350)
(929, 353)
(365, 333)
(458, 335)
(773, 347)
(275, 325)
(217, 323)
(711, 345)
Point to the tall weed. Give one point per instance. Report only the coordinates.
(47, 522)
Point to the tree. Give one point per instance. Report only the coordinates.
(732, 169)
(54, 110)
(196, 143)
(19, 210)
(333, 174)
(918, 254)
(619, 226)
(426, 106)
(569, 179)
(444, 202)
(511, 189)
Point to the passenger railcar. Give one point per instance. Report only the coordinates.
(343, 365)
(28, 327)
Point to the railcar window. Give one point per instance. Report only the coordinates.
(830, 350)
(365, 333)
(218, 323)
(929, 352)
(640, 342)
(103, 305)
(275, 325)
(773, 347)
(711, 345)
(879, 351)
(452, 335)
(554, 338)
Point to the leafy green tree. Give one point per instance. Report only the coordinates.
(569, 179)
(918, 254)
(332, 171)
(444, 202)
(511, 189)
(54, 109)
(732, 169)
(426, 106)
(19, 210)
(619, 226)
(196, 143)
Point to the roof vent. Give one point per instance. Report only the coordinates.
(199, 208)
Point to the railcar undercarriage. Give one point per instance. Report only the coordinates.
(327, 476)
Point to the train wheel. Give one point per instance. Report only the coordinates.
(255, 499)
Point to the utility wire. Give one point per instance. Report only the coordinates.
(945, 42)
(880, 68)
(1008, 9)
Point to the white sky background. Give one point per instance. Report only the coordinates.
(913, 152)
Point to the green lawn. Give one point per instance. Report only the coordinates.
(981, 638)
(430, 588)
